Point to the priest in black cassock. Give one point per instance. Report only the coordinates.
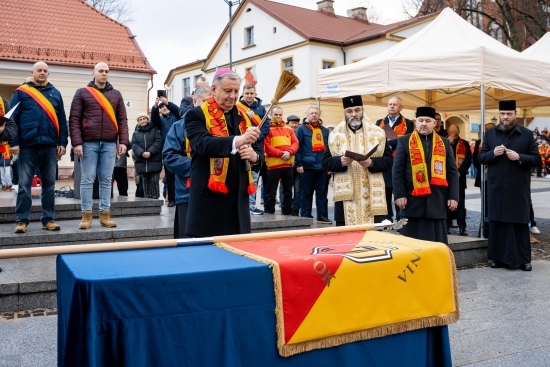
(425, 179)
(509, 151)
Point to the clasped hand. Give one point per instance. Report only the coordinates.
(501, 149)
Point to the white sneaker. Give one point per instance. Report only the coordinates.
(535, 230)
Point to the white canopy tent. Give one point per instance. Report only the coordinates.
(449, 65)
(445, 65)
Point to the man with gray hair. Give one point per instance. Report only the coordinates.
(312, 139)
(222, 138)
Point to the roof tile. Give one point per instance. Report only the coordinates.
(67, 32)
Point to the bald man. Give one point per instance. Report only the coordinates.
(99, 131)
(42, 136)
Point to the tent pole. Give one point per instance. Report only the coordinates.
(482, 168)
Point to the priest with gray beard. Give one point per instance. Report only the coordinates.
(359, 190)
(509, 151)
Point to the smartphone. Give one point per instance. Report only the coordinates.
(161, 93)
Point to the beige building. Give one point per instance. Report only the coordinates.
(71, 37)
(269, 37)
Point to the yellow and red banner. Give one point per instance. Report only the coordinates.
(336, 289)
(42, 102)
(106, 106)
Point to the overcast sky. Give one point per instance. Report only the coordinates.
(176, 32)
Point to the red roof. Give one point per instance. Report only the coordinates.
(315, 25)
(67, 32)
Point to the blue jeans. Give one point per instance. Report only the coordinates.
(98, 158)
(43, 159)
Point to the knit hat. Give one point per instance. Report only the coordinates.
(143, 114)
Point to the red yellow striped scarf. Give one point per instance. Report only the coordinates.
(317, 143)
(106, 106)
(43, 102)
(460, 153)
(217, 126)
(2, 107)
(400, 129)
(421, 186)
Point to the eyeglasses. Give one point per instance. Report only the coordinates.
(351, 111)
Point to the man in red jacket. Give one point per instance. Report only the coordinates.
(280, 145)
(99, 131)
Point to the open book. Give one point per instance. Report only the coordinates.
(360, 157)
(7, 116)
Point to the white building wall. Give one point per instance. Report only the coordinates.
(318, 53)
(175, 89)
(355, 53)
(407, 32)
(133, 87)
(265, 39)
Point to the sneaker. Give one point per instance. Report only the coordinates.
(324, 220)
(21, 227)
(256, 211)
(535, 230)
(51, 226)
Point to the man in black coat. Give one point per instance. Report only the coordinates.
(401, 127)
(463, 159)
(8, 128)
(425, 180)
(222, 154)
(510, 152)
(357, 204)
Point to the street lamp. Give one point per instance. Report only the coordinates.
(231, 3)
(494, 120)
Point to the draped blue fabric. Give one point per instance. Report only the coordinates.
(197, 306)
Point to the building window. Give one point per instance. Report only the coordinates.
(196, 79)
(328, 64)
(288, 64)
(186, 87)
(249, 36)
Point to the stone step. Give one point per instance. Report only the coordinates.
(68, 208)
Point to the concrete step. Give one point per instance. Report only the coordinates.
(67, 209)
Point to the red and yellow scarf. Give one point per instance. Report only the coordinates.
(106, 106)
(276, 122)
(2, 107)
(460, 153)
(317, 143)
(43, 102)
(400, 128)
(217, 126)
(242, 110)
(421, 186)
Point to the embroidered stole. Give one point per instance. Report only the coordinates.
(106, 106)
(42, 102)
(460, 154)
(217, 126)
(242, 110)
(317, 143)
(421, 186)
(363, 193)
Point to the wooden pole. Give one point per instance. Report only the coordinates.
(113, 246)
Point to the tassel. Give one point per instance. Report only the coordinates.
(439, 182)
(421, 191)
(217, 186)
(251, 188)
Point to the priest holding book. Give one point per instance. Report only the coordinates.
(357, 156)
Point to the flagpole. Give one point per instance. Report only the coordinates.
(231, 3)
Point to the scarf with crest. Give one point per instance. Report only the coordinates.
(419, 170)
(460, 153)
(217, 126)
(399, 128)
(317, 143)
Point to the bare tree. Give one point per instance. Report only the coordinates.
(520, 22)
(119, 10)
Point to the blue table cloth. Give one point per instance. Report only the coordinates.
(197, 306)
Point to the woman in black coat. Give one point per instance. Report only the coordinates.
(147, 146)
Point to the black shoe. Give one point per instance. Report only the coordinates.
(462, 232)
(448, 231)
(526, 267)
(324, 220)
(171, 204)
(498, 264)
(295, 213)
